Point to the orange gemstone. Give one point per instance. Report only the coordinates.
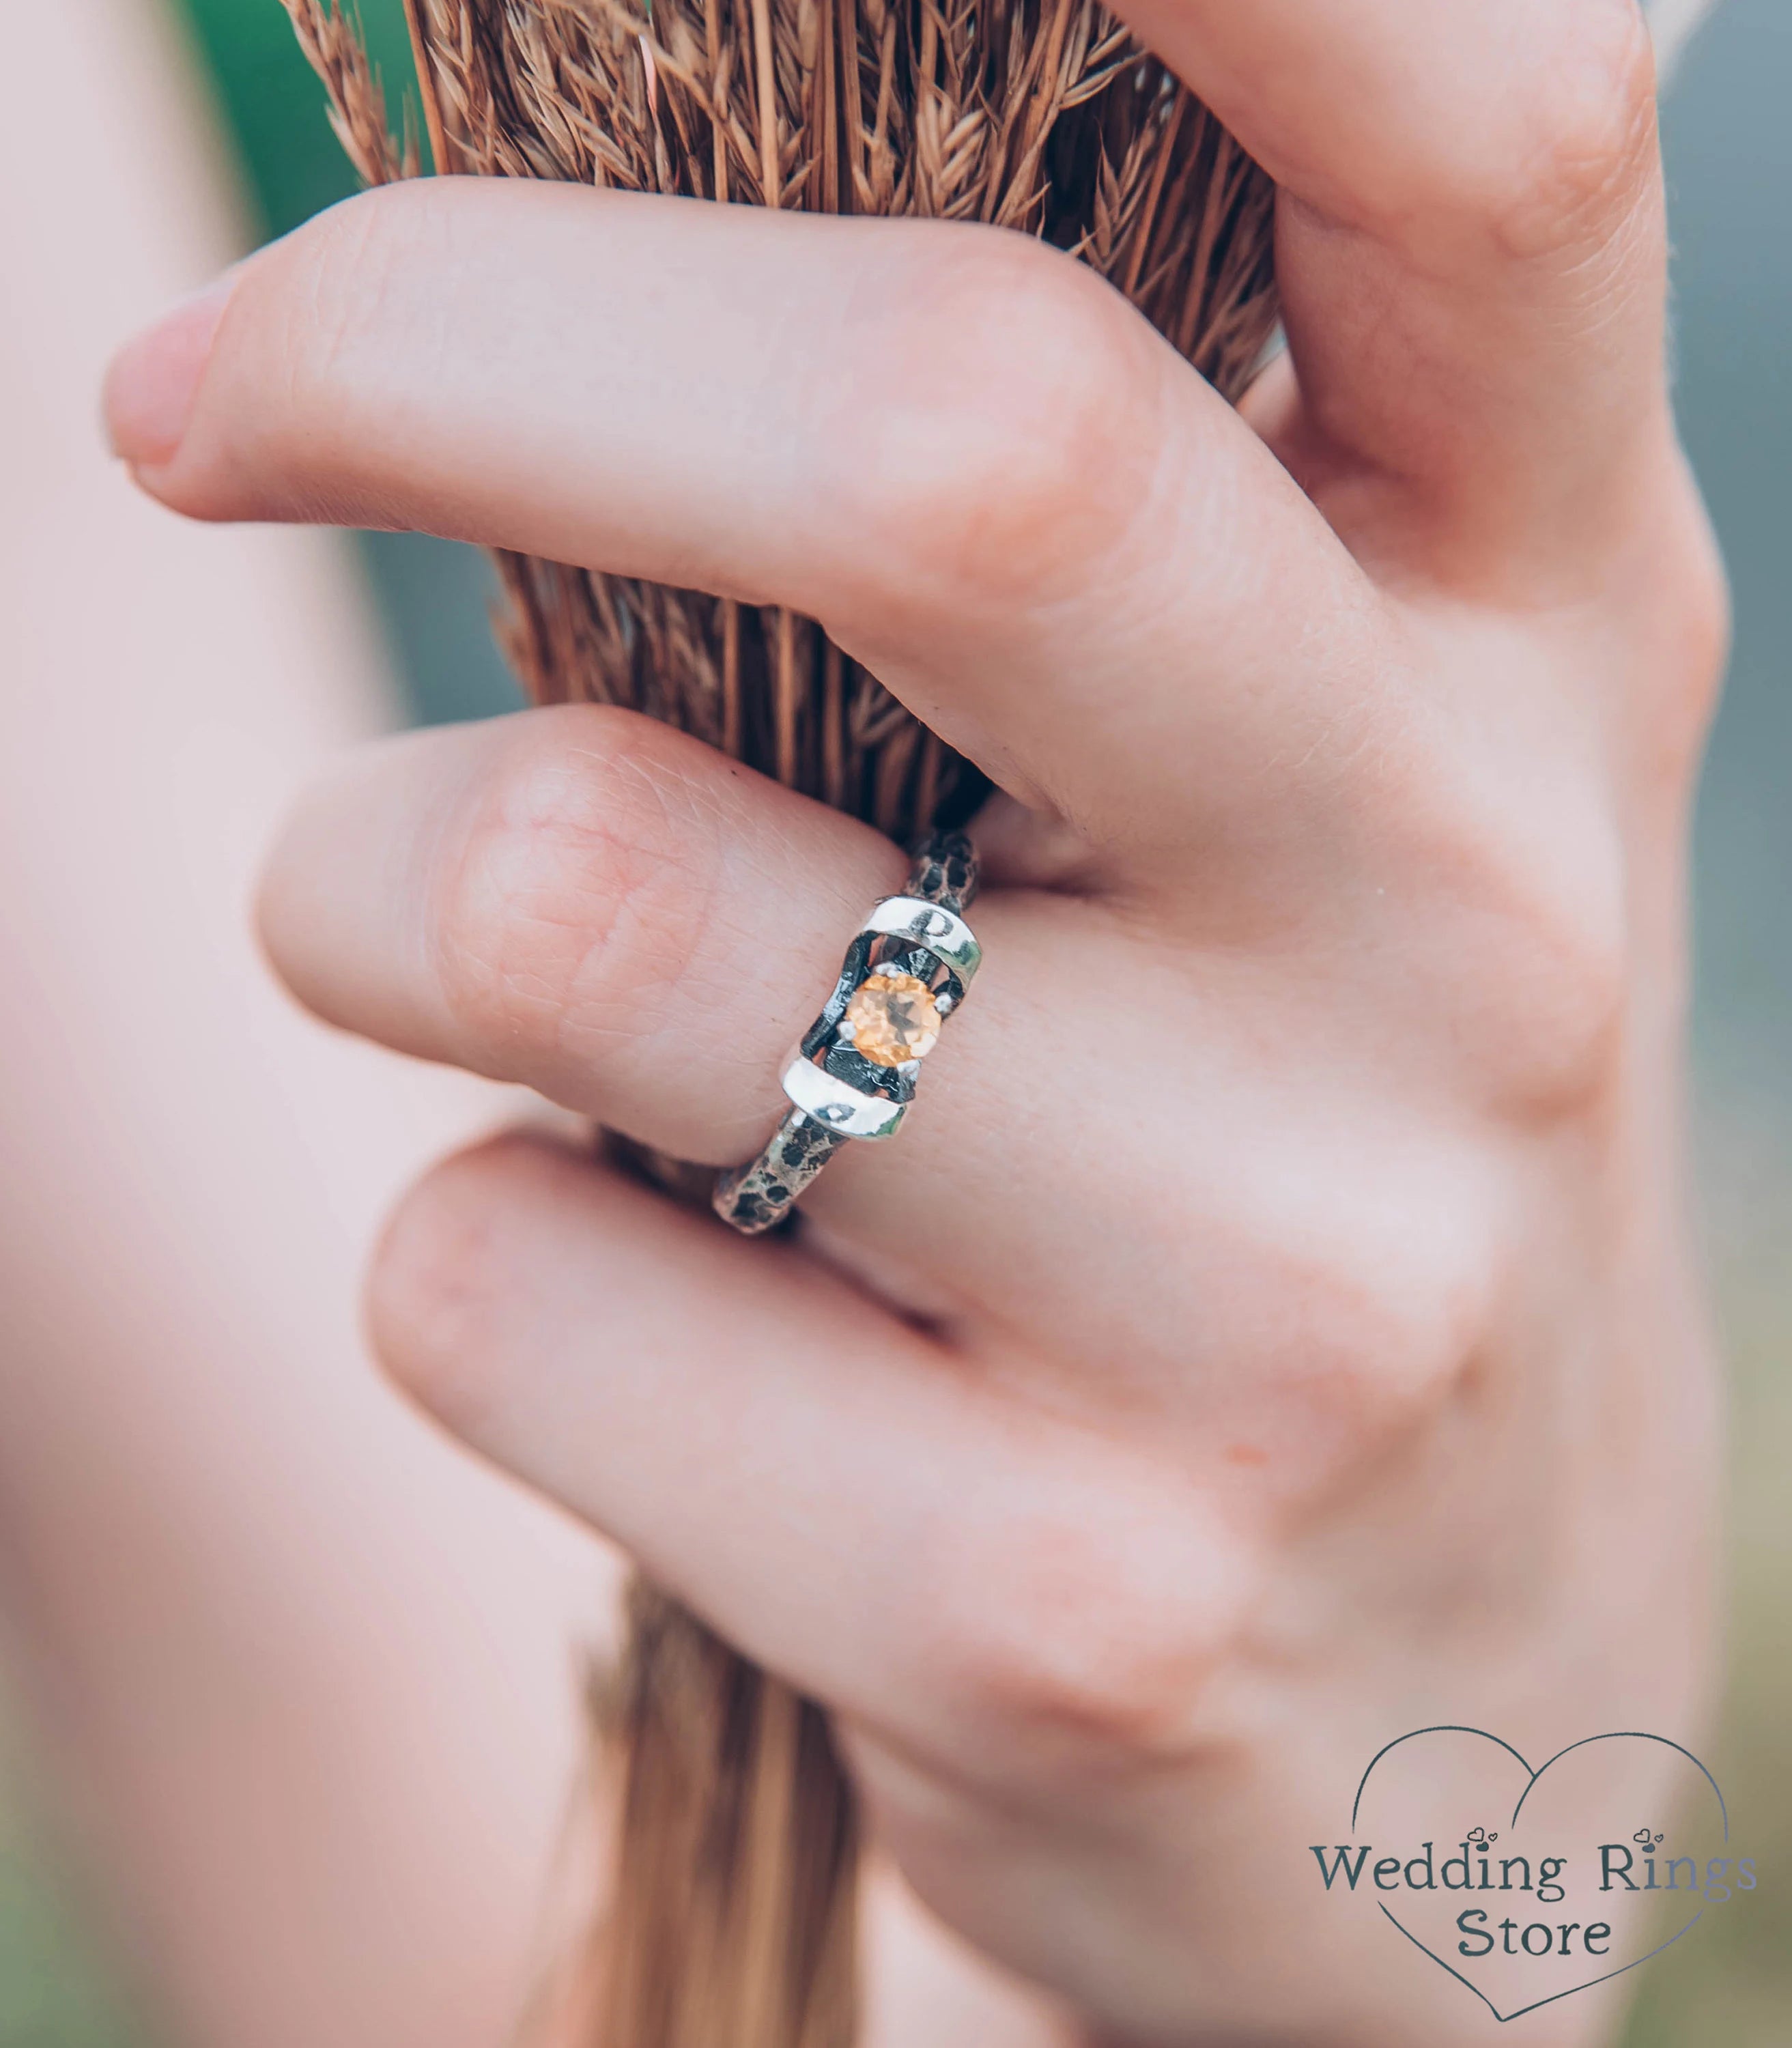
(893, 1018)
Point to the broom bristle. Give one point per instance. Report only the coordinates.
(731, 1922)
(1043, 116)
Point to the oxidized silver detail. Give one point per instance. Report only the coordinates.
(839, 1105)
(837, 1093)
(944, 934)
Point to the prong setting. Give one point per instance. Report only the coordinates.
(855, 1070)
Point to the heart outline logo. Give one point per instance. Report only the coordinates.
(1531, 1778)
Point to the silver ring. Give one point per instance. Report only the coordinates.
(853, 1074)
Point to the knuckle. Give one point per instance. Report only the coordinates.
(1379, 1299)
(1016, 426)
(1544, 986)
(1517, 873)
(576, 899)
(1586, 148)
(334, 266)
(1705, 623)
(324, 393)
(1693, 634)
(1568, 996)
(1079, 1622)
(1548, 166)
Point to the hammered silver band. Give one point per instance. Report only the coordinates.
(914, 952)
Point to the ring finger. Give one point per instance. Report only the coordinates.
(582, 900)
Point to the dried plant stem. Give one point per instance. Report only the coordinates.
(735, 1804)
(426, 88)
(732, 1925)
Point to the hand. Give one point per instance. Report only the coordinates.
(1273, 1329)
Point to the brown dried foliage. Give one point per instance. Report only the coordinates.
(732, 1921)
(332, 44)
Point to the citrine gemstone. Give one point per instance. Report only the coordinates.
(893, 1017)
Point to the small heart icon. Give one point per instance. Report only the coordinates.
(1574, 1894)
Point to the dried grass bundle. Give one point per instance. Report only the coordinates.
(733, 1923)
(1043, 116)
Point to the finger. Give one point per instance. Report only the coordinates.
(983, 471)
(584, 901)
(818, 1481)
(1471, 249)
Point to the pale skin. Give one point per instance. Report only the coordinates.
(1274, 1327)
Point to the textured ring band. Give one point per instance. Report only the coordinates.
(853, 1075)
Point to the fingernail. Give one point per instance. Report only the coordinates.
(154, 379)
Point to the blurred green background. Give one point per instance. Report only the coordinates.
(1728, 139)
